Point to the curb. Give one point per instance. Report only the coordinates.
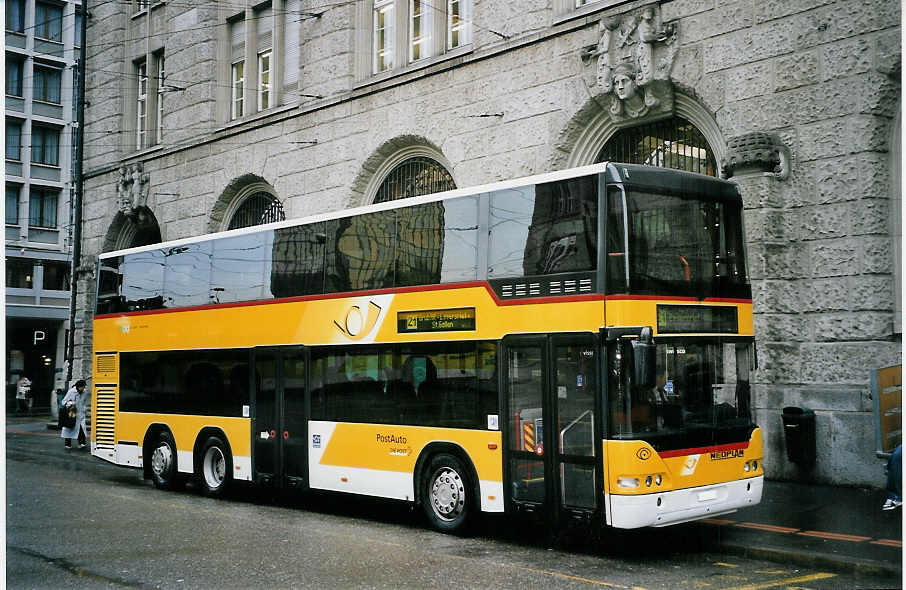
(814, 559)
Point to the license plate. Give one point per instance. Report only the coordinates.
(708, 495)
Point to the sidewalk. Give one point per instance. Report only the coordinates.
(817, 525)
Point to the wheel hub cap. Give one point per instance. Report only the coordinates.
(161, 459)
(447, 494)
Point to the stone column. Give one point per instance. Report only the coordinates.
(759, 164)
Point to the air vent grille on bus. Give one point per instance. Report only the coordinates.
(105, 421)
(106, 363)
(574, 285)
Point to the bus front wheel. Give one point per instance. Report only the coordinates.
(447, 499)
(215, 467)
(163, 463)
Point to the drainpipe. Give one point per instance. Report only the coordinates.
(76, 204)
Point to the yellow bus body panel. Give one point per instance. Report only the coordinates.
(700, 467)
(326, 321)
(131, 427)
(397, 448)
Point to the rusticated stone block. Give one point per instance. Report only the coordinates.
(781, 327)
(842, 327)
(793, 71)
(834, 258)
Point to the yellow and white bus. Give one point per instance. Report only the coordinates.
(577, 345)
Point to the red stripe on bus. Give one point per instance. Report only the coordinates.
(325, 296)
(674, 298)
(702, 450)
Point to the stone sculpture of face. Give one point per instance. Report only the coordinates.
(623, 86)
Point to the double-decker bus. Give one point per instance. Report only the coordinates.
(575, 345)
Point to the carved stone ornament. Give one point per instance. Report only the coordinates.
(634, 57)
(756, 152)
(132, 190)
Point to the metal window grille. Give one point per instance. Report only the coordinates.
(672, 143)
(258, 208)
(414, 177)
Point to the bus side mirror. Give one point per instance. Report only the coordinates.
(644, 365)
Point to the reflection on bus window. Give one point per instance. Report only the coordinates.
(702, 396)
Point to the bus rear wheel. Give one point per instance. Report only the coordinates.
(447, 499)
(163, 463)
(215, 467)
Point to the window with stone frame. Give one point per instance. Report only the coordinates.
(413, 177)
(141, 104)
(399, 33)
(49, 21)
(45, 145)
(672, 143)
(260, 73)
(257, 208)
(161, 91)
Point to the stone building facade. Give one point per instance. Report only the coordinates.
(199, 114)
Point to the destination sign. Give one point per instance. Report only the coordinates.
(696, 319)
(436, 320)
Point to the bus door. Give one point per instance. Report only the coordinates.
(551, 385)
(279, 420)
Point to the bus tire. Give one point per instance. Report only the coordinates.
(164, 473)
(215, 466)
(447, 499)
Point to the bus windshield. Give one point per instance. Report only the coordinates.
(702, 396)
(678, 244)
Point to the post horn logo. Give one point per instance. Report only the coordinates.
(643, 454)
(355, 325)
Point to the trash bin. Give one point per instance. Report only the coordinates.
(799, 431)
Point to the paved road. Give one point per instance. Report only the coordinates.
(76, 522)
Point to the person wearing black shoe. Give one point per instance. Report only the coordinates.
(76, 400)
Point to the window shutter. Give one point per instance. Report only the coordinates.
(293, 26)
(264, 28)
(237, 41)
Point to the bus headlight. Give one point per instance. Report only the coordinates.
(745, 466)
(658, 479)
(648, 481)
(628, 483)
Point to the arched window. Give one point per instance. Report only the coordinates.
(673, 143)
(259, 207)
(413, 177)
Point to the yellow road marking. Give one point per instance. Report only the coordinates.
(722, 564)
(568, 577)
(784, 582)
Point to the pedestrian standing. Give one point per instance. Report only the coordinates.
(23, 392)
(894, 480)
(77, 397)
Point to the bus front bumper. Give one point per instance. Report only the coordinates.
(666, 508)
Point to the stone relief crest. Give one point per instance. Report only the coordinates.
(634, 56)
(132, 189)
